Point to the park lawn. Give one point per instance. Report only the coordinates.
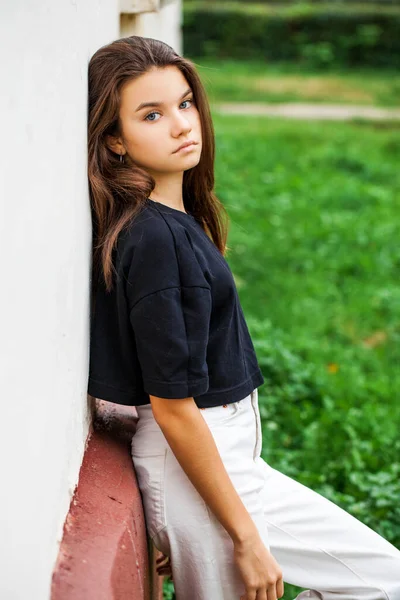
(292, 8)
(313, 242)
(314, 235)
(250, 81)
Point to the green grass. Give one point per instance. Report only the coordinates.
(315, 250)
(314, 247)
(233, 81)
(300, 8)
(314, 236)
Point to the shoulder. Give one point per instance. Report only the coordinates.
(149, 228)
(147, 258)
(150, 237)
(154, 253)
(149, 247)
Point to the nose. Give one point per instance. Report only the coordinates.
(180, 124)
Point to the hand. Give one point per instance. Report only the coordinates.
(259, 570)
(164, 566)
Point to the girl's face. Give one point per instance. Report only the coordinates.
(152, 134)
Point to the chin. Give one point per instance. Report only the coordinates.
(192, 160)
(193, 163)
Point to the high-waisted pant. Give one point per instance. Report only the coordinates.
(317, 544)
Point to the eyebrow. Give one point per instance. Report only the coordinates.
(147, 104)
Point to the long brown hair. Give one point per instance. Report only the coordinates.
(119, 190)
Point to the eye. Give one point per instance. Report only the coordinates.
(157, 113)
(149, 115)
(188, 100)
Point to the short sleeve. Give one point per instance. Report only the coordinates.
(170, 309)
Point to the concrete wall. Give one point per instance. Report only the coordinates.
(45, 243)
(164, 23)
(45, 237)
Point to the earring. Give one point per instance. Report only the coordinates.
(120, 158)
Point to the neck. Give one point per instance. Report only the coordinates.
(168, 190)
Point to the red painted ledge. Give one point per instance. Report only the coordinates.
(105, 553)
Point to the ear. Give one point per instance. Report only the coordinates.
(115, 144)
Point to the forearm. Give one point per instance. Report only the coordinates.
(194, 447)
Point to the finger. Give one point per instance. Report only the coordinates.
(161, 568)
(166, 575)
(280, 590)
(161, 558)
(271, 592)
(167, 566)
(164, 564)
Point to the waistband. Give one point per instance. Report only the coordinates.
(145, 411)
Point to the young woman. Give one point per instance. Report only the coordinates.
(168, 336)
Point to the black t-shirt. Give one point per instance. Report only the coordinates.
(173, 325)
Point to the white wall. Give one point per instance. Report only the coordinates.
(164, 24)
(45, 237)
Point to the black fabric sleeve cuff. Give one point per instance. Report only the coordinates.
(184, 389)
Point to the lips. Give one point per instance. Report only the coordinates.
(188, 143)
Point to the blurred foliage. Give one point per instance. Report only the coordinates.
(256, 81)
(340, 4)
(168, 590)
(317, 35)
(314, 210)
(314, 228)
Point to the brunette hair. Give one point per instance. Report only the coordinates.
(118, 190)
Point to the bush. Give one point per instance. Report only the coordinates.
(322, 438)
(314, 250)
(315, 36)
